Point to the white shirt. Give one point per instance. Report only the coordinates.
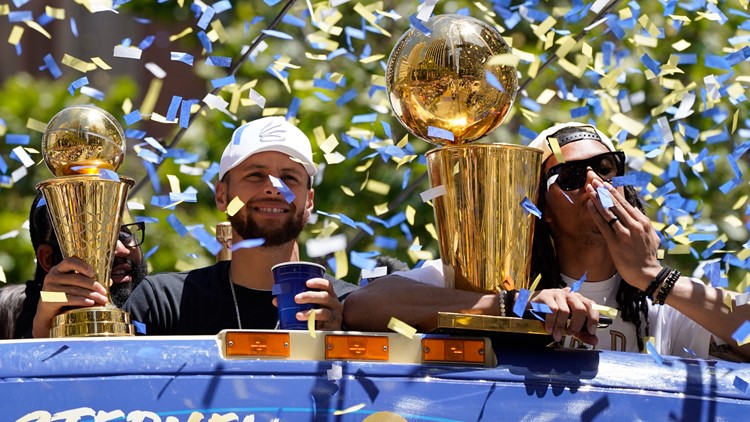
(673, 332)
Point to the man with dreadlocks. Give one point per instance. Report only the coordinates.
(589, 230)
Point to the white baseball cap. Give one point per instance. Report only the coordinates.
(540, 142)
(267, 134)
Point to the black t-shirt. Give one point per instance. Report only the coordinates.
(200, 302)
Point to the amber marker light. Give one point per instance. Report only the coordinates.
(347, 347)
(262, 345)
(450, 350)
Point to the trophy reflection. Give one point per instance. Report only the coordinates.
(85, 206)
(447, 88)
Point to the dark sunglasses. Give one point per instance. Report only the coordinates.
(132, 235)
(572, 174)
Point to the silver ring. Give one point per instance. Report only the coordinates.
(612, 221)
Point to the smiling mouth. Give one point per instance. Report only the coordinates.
(271, 210)
(121, 275)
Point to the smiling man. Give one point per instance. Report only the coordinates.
(73, 276)
(265, 187)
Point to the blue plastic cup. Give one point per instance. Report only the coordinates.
(290, 278)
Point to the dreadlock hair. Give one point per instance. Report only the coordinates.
(42, 233)
(631, 302)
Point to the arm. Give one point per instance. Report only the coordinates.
(633, 245)
(74, 278)
(371, 307)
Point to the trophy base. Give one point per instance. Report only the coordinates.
(503, 331)
(92, 322)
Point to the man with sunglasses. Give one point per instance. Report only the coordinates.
(72, 276)
(588, 229)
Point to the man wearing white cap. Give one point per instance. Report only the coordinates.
(588, 229)
(268, 167)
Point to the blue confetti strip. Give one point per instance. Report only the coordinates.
(17, 139)
(74, 27)
(222, 82)
(530, 208)
(418, 25)
(541, 308)
(182, 57)
(282, 187)
(605, 197)
(205, 42)
(174, 106)
(521, 301)
(740, 384)
(654, 354)
(133, 117)
(77, 84)
(436, 132)
(52, 66)
(492, 80)
(140, 328)
(220, 61)
(577, 285)
(206, 17)
(206, 240)
(177, 225)
(361, 261)
(741, 334)
(277, 34)
(108, 175)
(248, 244)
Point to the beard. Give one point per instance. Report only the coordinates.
(248, 228)
(120, 292)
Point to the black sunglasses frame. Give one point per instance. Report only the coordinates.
(132, 235)
(580, 167)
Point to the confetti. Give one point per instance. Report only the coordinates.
(401, 327)
(53, 297)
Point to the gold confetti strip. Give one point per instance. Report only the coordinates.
(381, 209)
(378, 187)
(2, 275)
(311, 322)
(218, 28)
(235, 205)
(342, 264)
(54, 12)
(347, 191)
(606, 311)
(4, 9)
(351, 409)
(430, 228)
(36, 125)
(372, 58)
(152, 95)
(77, 64)
(53, 297)
(681, 45)
(184, 32)
(370, 18)
(15, 35)
(38, 28)
(329, 144)
(322, 41)
(402, 328)
(174, 183)
(334, 158)
(99, 62)
(410, 214)
(543, 28)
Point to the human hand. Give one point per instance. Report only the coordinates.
(329, 314)
(631, 239)
(75, 279)
(572, 314)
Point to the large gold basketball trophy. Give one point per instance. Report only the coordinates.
(444, 88)
(86, 208)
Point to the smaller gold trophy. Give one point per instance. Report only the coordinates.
(450, 85)
(86, 207)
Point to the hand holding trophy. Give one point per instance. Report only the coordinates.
(85, 205)
(445, 86)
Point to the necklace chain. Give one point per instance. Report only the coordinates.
(234, 298)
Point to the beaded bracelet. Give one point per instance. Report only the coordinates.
(658, 280)
(501, 300)
(669, 283)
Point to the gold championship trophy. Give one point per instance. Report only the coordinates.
(86, 207)
(446, 88)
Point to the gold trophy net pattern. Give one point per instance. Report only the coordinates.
(85, 212)
(485, 234)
